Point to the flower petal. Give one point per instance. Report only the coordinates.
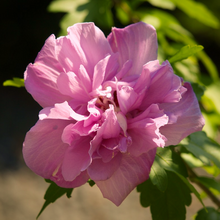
(110, 128)
(144, 130)
(131, 172)
(164, 86)
(187, 115)
(99, 170)
(85, 44)
(43, 149)
(60, 111)
(69, 84)
(40, 77)
(76, 158)
(136, 42)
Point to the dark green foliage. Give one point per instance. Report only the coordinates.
(53, 193)
(208, 214)
(167, 205)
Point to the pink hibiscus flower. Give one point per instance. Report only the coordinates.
(107, 105)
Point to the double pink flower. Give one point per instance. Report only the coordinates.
(107, 105)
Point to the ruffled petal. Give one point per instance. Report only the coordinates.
(76, 158)
(99, 170)
(69, 84)
(78, 181)
(136, 42)
(40, 77)
(164, 84)
(127, 98)
(86, 45)
(131, 172)
(105, 69)
(43, 149)
(110, 128)
(185, 116)
(60, 111)
(144, 130)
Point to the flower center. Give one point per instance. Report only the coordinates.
(106, 98)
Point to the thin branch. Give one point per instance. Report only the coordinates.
(194, 178)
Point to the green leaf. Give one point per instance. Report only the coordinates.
(17, 82)
(204, 148)
(199, 90)
(210, 214)
(166, 4)
(170, 161)
(98, 12)
(91, 182)
(65, 5)
(168, 205)
(210, 183)
(213, 170)
(185, 52)
(191, 160)
(158, 176)
(53, 193)
(213, 93)
(198, 11)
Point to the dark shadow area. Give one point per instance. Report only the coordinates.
(25, 25)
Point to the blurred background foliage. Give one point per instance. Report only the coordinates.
(26, 25)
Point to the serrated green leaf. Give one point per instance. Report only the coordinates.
(185, 52)
(210, 214)
(204, 148)
(17, 82)
(168, 205)
(158, 176)
(148, 193)
(53, 193)
(198, 11)
(170, 161)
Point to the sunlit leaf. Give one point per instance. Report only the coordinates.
(166, 4)
(213, 170)
(70, 19)
(53, 193)
(185, 52)
(198, 11)
(65, 5)
(213, 93)
(16, 82)
(158, 176)
(204, 148)
(191, 160)
(98, 12)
